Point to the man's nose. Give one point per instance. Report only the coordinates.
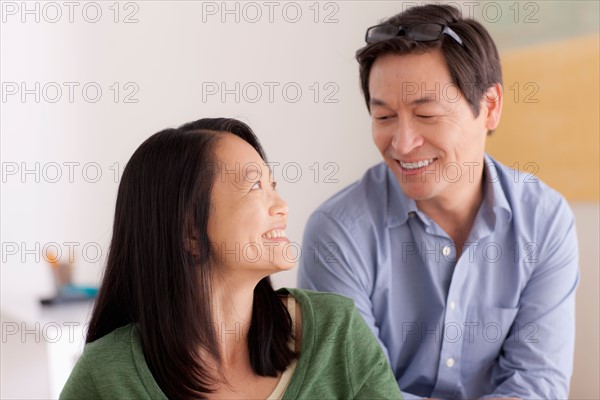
(406, 138)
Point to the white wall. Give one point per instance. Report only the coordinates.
(170, 57)
(585, 384)
(166, 61)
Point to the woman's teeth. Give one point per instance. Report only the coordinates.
(274, 234)
(415, 165)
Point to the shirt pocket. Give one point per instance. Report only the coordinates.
(486, 329)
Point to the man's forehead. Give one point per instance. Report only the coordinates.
(420, 67)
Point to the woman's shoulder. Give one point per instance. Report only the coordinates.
(319, 298)
(113, 351)
(112, 345)
(322, 304)
(340, 357)
(110, 367)
(98, 364)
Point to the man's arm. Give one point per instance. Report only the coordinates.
(332, 261)
(537, 356)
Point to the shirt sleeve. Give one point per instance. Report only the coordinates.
(332, 262)
(537, 357)
(370, 373)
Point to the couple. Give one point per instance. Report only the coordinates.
(179, 315)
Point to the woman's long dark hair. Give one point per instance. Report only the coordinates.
(151, 280)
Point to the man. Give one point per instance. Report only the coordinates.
(465, 270)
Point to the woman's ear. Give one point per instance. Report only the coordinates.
(492, 106)
(190, 242)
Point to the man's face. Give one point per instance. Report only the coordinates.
(424, 128)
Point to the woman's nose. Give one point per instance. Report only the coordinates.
(278, 206)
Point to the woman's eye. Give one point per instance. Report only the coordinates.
(274, 185)
(425, 116)
(256, 186)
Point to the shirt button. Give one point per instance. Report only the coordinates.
(452, 305)
(450, 362)
(446, 251)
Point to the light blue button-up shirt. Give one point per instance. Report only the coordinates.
(497, 322)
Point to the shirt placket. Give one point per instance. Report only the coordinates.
(453, 332)
(452, 325)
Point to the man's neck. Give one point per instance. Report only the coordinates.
(456, 212)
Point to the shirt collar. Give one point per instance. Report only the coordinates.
(495, 206)
(494, 196)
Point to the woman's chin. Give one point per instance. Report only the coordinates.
(280, 264)
(285, 266)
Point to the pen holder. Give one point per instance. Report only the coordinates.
(63, 274)
(66, 291)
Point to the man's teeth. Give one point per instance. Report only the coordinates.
(276, 233)
(415, 165)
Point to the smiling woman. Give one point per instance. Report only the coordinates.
(248, 215)
(186, 308)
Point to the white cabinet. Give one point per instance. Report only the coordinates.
(40, 345)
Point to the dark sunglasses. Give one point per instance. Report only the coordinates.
(418, 33)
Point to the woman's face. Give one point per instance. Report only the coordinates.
(248, 217)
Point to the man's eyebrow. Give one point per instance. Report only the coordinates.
(376, 102)
(416, 102)
(424, 100)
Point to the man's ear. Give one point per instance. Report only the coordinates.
(492, 106)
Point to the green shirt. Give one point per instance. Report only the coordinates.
(340, 359)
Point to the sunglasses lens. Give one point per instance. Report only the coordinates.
(425, 32)
(381, 32)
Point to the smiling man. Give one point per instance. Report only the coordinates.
(465, 270)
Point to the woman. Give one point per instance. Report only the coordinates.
(186, 309)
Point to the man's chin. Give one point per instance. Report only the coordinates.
(418, 191)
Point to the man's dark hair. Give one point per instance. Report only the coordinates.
(154, 282)
(473, 67)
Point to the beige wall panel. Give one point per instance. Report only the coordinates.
(550, 122)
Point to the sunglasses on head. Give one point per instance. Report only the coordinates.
(418, 33)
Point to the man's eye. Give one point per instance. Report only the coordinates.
(425, 116)
(384, 119)
(257, 185)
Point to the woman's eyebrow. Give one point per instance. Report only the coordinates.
(253, 171)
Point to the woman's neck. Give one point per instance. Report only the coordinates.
(232, 314)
